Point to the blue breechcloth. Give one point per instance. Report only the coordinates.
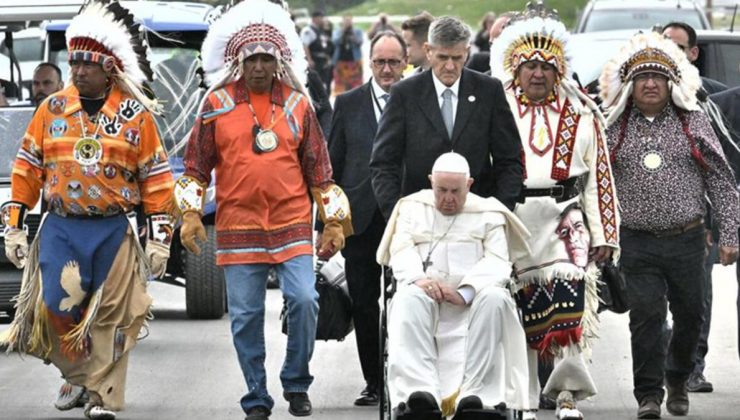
(85, 245)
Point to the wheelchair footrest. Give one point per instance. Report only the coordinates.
(481, 414)
(419, 415)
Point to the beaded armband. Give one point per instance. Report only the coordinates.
(13, 214)
(190, 195)
(333, 206)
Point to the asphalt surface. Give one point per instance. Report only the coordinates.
(187, 369)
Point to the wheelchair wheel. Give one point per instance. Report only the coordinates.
(384, 406)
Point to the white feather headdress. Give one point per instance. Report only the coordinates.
(251, 27)
(537, 34)
(648, 52)
(105, 32)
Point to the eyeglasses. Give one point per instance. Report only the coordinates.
(380, 63)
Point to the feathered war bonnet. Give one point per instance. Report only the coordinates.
(253, 27)
(648, 53)
(105, 32)
(536, 34)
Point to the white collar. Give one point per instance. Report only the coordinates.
(440, 87)
(377, 90)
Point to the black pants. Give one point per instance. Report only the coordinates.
(702, 347)
(661, 271)
(364, 282)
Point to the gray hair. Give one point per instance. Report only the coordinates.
(447, 31)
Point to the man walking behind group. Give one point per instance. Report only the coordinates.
(47, 79)
(443, 109)
(354, 126)
(666, 158)
(257, 129)
(415, 31)
(94, 150)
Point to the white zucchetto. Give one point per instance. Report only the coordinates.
(451, 162)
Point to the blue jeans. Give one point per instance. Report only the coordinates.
(246, 285)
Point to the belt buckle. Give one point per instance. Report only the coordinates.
(560, 191)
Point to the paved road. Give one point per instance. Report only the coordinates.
(187, 370)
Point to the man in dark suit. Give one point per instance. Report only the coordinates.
(353, 129)
(685, 37)
(447, 108)
(729, 103)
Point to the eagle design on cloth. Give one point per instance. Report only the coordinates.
(72, 284)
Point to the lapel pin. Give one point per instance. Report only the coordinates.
(471, 98)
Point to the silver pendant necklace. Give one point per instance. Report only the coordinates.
(265, 140)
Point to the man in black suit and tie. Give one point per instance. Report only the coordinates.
(355, 121)
(729, 103)
(447, 108)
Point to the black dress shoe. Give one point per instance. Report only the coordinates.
(471, 402)
(368, 397)
(258, 413)
(547, 403)
(298, 403)
(422, 401)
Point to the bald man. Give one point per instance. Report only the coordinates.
(47, 79)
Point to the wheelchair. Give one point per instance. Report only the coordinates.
(385, 407)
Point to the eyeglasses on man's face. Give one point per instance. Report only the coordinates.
(643, 77)
(392, 63)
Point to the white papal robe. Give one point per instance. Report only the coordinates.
(455, 351)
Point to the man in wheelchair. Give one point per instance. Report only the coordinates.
(455, 341)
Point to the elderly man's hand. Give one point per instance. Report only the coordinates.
(431, 288)
(440, 292)
(452, 296)
(601, 254)
(727, 254)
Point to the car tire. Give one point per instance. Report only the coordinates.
(205, 287)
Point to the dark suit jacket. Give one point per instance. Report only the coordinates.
(728, 102)
(411, 135)
(320, 99)
(712, 86)
(353, 129)
(480, 62)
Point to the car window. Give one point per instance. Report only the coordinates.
(13, 124)
(730, 53)
(606, 20)
(28, 49)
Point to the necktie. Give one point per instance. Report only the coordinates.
(447, 110)
(385, 97)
